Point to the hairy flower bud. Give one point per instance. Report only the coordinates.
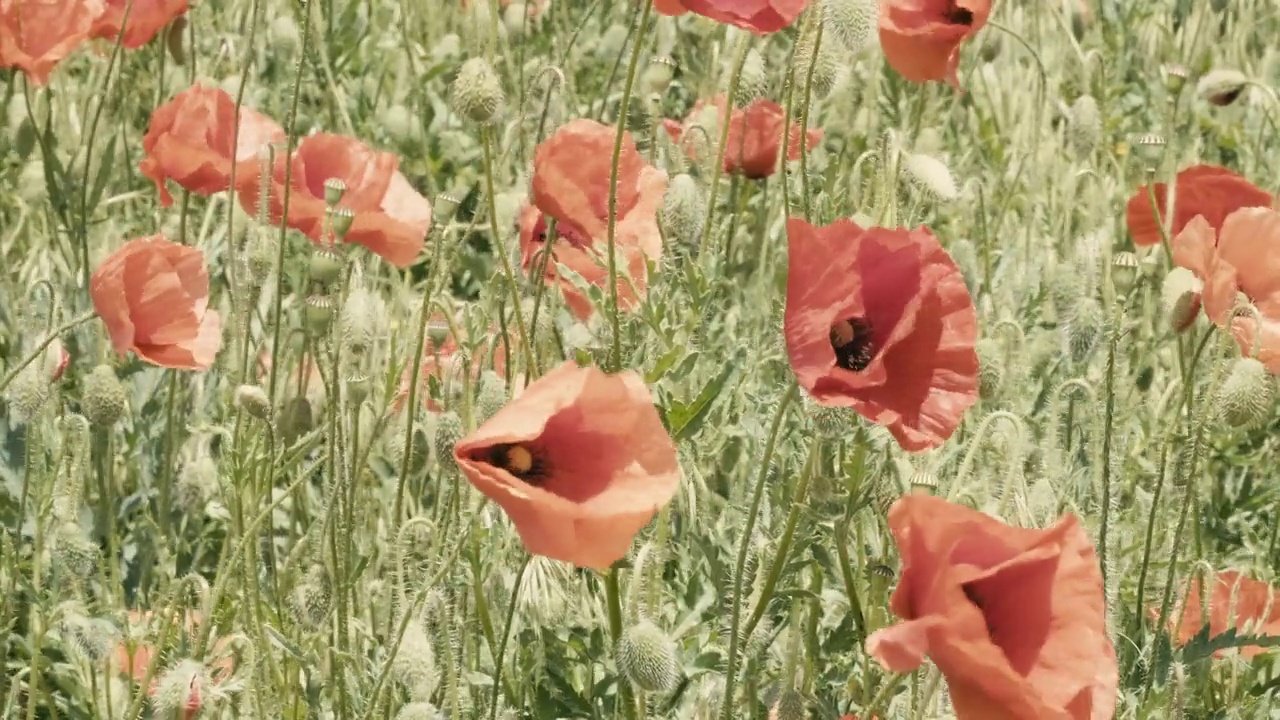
(648, 657)
(1247, 395)
(477, 91)
(415, 664)
(364, 320)
(753, 78)
(103, 398)
(492, 395)
(826, 60)
(990, 368)
(853, 22)
(684, 209)
(253, 400)
(261, 253)
(419, 711)
(1180, 298)
(197, 484)
(447, 432)
(930, 177)
(75, 555)
(1082, 329)
(1084, 124)
(791, 705)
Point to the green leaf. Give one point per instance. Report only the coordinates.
(1202, 647)
(105, 169)
(663, 365)
(687, 418)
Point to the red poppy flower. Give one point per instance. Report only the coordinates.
(580, 507)
(755, 136)
(571, 184)
(1014, 618)
(922, 38)
(1250, 606)
(880, 320)
(36, 36)
(1243, 256)
(442, 361)
(758, 16)
(190, 138)
(153, 296)
(391, 218)
(146, 19)
(134, 660)
(1207, 190)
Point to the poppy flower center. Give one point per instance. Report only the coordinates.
(565, 231)
(519, 460)
(854, 343)
(958, 15)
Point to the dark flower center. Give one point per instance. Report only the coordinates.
(521, 461)
(565, 232)
(974, 598)
(958, 15)
(854, 343)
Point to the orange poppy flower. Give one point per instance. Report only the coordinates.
(146, 19)
(135, 661)
(880, 320)
(1208, 190)
(571, 184)
(1014, 618)
(755, 136)
(1250, 606)
(579, 507)
(1243, 256)
(190, 138)
(36, 35)
(758, 16)
(391, 218)
(922, 38)
(153, 296)
(440, 360)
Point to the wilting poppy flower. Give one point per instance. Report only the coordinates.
(579, 507)
(190, 141)
(1207, 190)
(56, 360)
(758, 16)
(881, 321)
(755, 135)
(1249, 606)
(153, 296)
(571, 184)
(921, 38)
(390, 217)
(36, 36)
(146, 19)
(1245, 258)
(1014, 618)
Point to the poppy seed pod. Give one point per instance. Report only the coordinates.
(648, 657)
(326, 265)
(318, 314)
(1124, 272)
(1222, 87)
(1180, 298)
(924, 483)
(1175, 77)
(339, 220)
(334, 188)
(658, 75)
(852, 22)
(1247, 395)
(253, 400)
(1148, 148)
(477, 91)
(684, 209)
(103, 398)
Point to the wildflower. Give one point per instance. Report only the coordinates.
(145, 20)
(182, 687)
(36, 36)
(391, 218)
(1244, 259)
(571, 173)
(1208, 190)
(921, 38)
(444, 359)
(880, 320)
(758, 16)
(1014, 618)
(1249, 606)
(153, 297)
(755, 136)
(190, 139)
(579, 508)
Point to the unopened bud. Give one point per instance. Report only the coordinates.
(197, 482)
(326, 266)
(492, 395)
(447, 432)
(684, 209)
(830, 422)
(1083, 328)
(175, 40)
(296, 418)
(1124, 272)
(1180, 298)
(791, 705)
(477, 91)
(318, 314)
(854, 23)
(103, 398)
(1222, 87)
(825, 59)
(1247, 395)
(28, 393)
(753, 78)
(648, 658)
(75, 555)
(1085, 124)
(930, 177)
(419, 711)
(990, 368)
(261, 253)
(253, 400)
(364, 320)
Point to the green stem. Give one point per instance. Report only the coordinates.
(613, 597)
(735, 79)
(500, 249)
(501, 654)
(784, 544)
(39, 349)
(744, 546)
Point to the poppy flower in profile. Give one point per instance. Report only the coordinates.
(1014, 618)
(921, 38)
(758, 16)
(145, 20)
(190, 139)
(1249, 606)
(36, 36)
(881, 321)
(390, 218)
(1243, 256)
(755, 135)
(571, 185)
(579, 507)
(1207, 190)
(153, 297)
